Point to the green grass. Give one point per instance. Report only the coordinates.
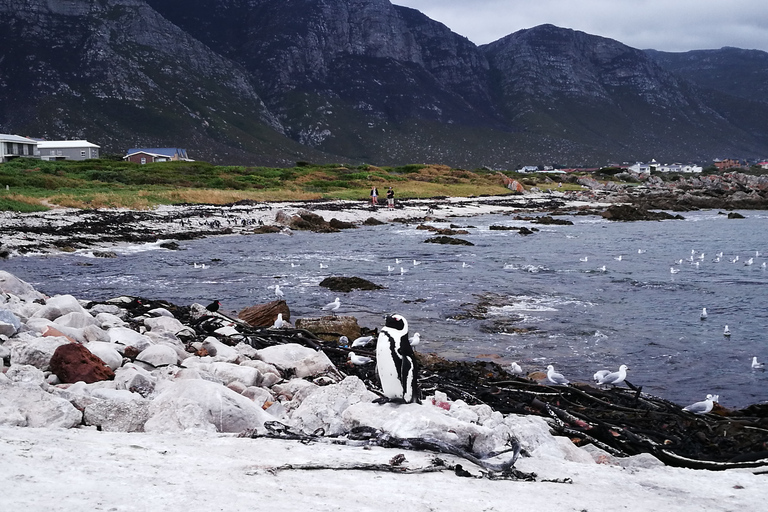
(111, 184)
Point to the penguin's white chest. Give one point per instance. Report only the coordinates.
(388, 367)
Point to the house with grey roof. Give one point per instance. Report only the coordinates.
(14, 146)
(67, 150)
(148, 155)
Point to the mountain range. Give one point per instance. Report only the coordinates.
(272, 82)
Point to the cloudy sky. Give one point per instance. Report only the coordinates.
(668, 25)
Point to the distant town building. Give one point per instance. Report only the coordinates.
(14, 146)
(149, 155)
(530, 168)
(67, 150)
(727, 163)
(763, 165)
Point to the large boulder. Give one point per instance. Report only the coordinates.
(164, 323)
(202, 405)
(9, 323)
(37, 352)
(324, 407)
(264, 315)
(117, 411)
(129, 337)
(107, 352)
(302, 361)
(329, 327)
(73, 362)
(75, 319)
(24, 405)
(156, 356)
(12, 285)
(348, 284)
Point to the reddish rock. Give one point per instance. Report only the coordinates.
(73, 363)
(264, 315)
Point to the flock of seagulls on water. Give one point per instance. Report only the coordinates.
(694, 259)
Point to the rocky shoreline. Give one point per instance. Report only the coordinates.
(71, 229)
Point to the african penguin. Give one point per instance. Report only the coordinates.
(395, 362)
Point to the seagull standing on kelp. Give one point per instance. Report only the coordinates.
(554, 377)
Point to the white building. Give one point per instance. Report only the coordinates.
(14, 146)
(67, 150)
(653, 165)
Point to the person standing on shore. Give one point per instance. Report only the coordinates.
(390, 198)
(374, 196)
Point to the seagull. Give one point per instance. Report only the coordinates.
(618, 258)
(679, 262)
(702, 407)
(762, 265)
(415, 339)
(279, 322)
(734, 260)
(748, 262)
(726, 331)
(701, 256)
(464, 264)
(332, 306)
(359, 360)
(600, 375)
(584, 259)
(602, 269)
(402, 271)
(397, 260)
(323, 266)
(278, 292)
(641, 251)
(703, 315)
(554, 377)
(343, 341)
(720, 254)
(615, 378)
(390, 268)
(416, 263)
(674, 270)
(294, 265)
(756, 365)
(515, 368)
(362, 341)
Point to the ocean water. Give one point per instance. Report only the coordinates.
(541, 303)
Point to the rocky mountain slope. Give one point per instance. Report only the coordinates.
(267, 81)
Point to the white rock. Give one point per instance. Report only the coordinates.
(114, 412)
(227, 330)
(76, 319)
(11, 284)
(246, 350)
(38, 352)
(260, 396)
(164, 323)
(303, 361)
(129, 337)
(294, 389)
(324, 407)
(94, 333)
(157, 355)
(107, 352)
(29, 406)
(106, 320)
(426, 421)
(135, 379)
(219, 351)
(25, 374)
(109, 309)
(160, 312)
(65, 304)
(640, 461)
(228, 372)
(200, 404)
(262, 366)
(9, 323)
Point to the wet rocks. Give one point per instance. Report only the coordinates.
(331, 327)
(371, 221)
(520, 229)
(447, 240)
(735, 215)
(73, 362)
(626, 212)
(443, 231)
(348, 284)
(548, 220)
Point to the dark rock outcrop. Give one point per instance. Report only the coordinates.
(73, 363)
(625, 212)
(447, 240)
(331, 328)
(347, 284)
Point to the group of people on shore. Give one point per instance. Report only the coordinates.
(375, 197)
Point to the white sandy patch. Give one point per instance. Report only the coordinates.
(81, 469)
